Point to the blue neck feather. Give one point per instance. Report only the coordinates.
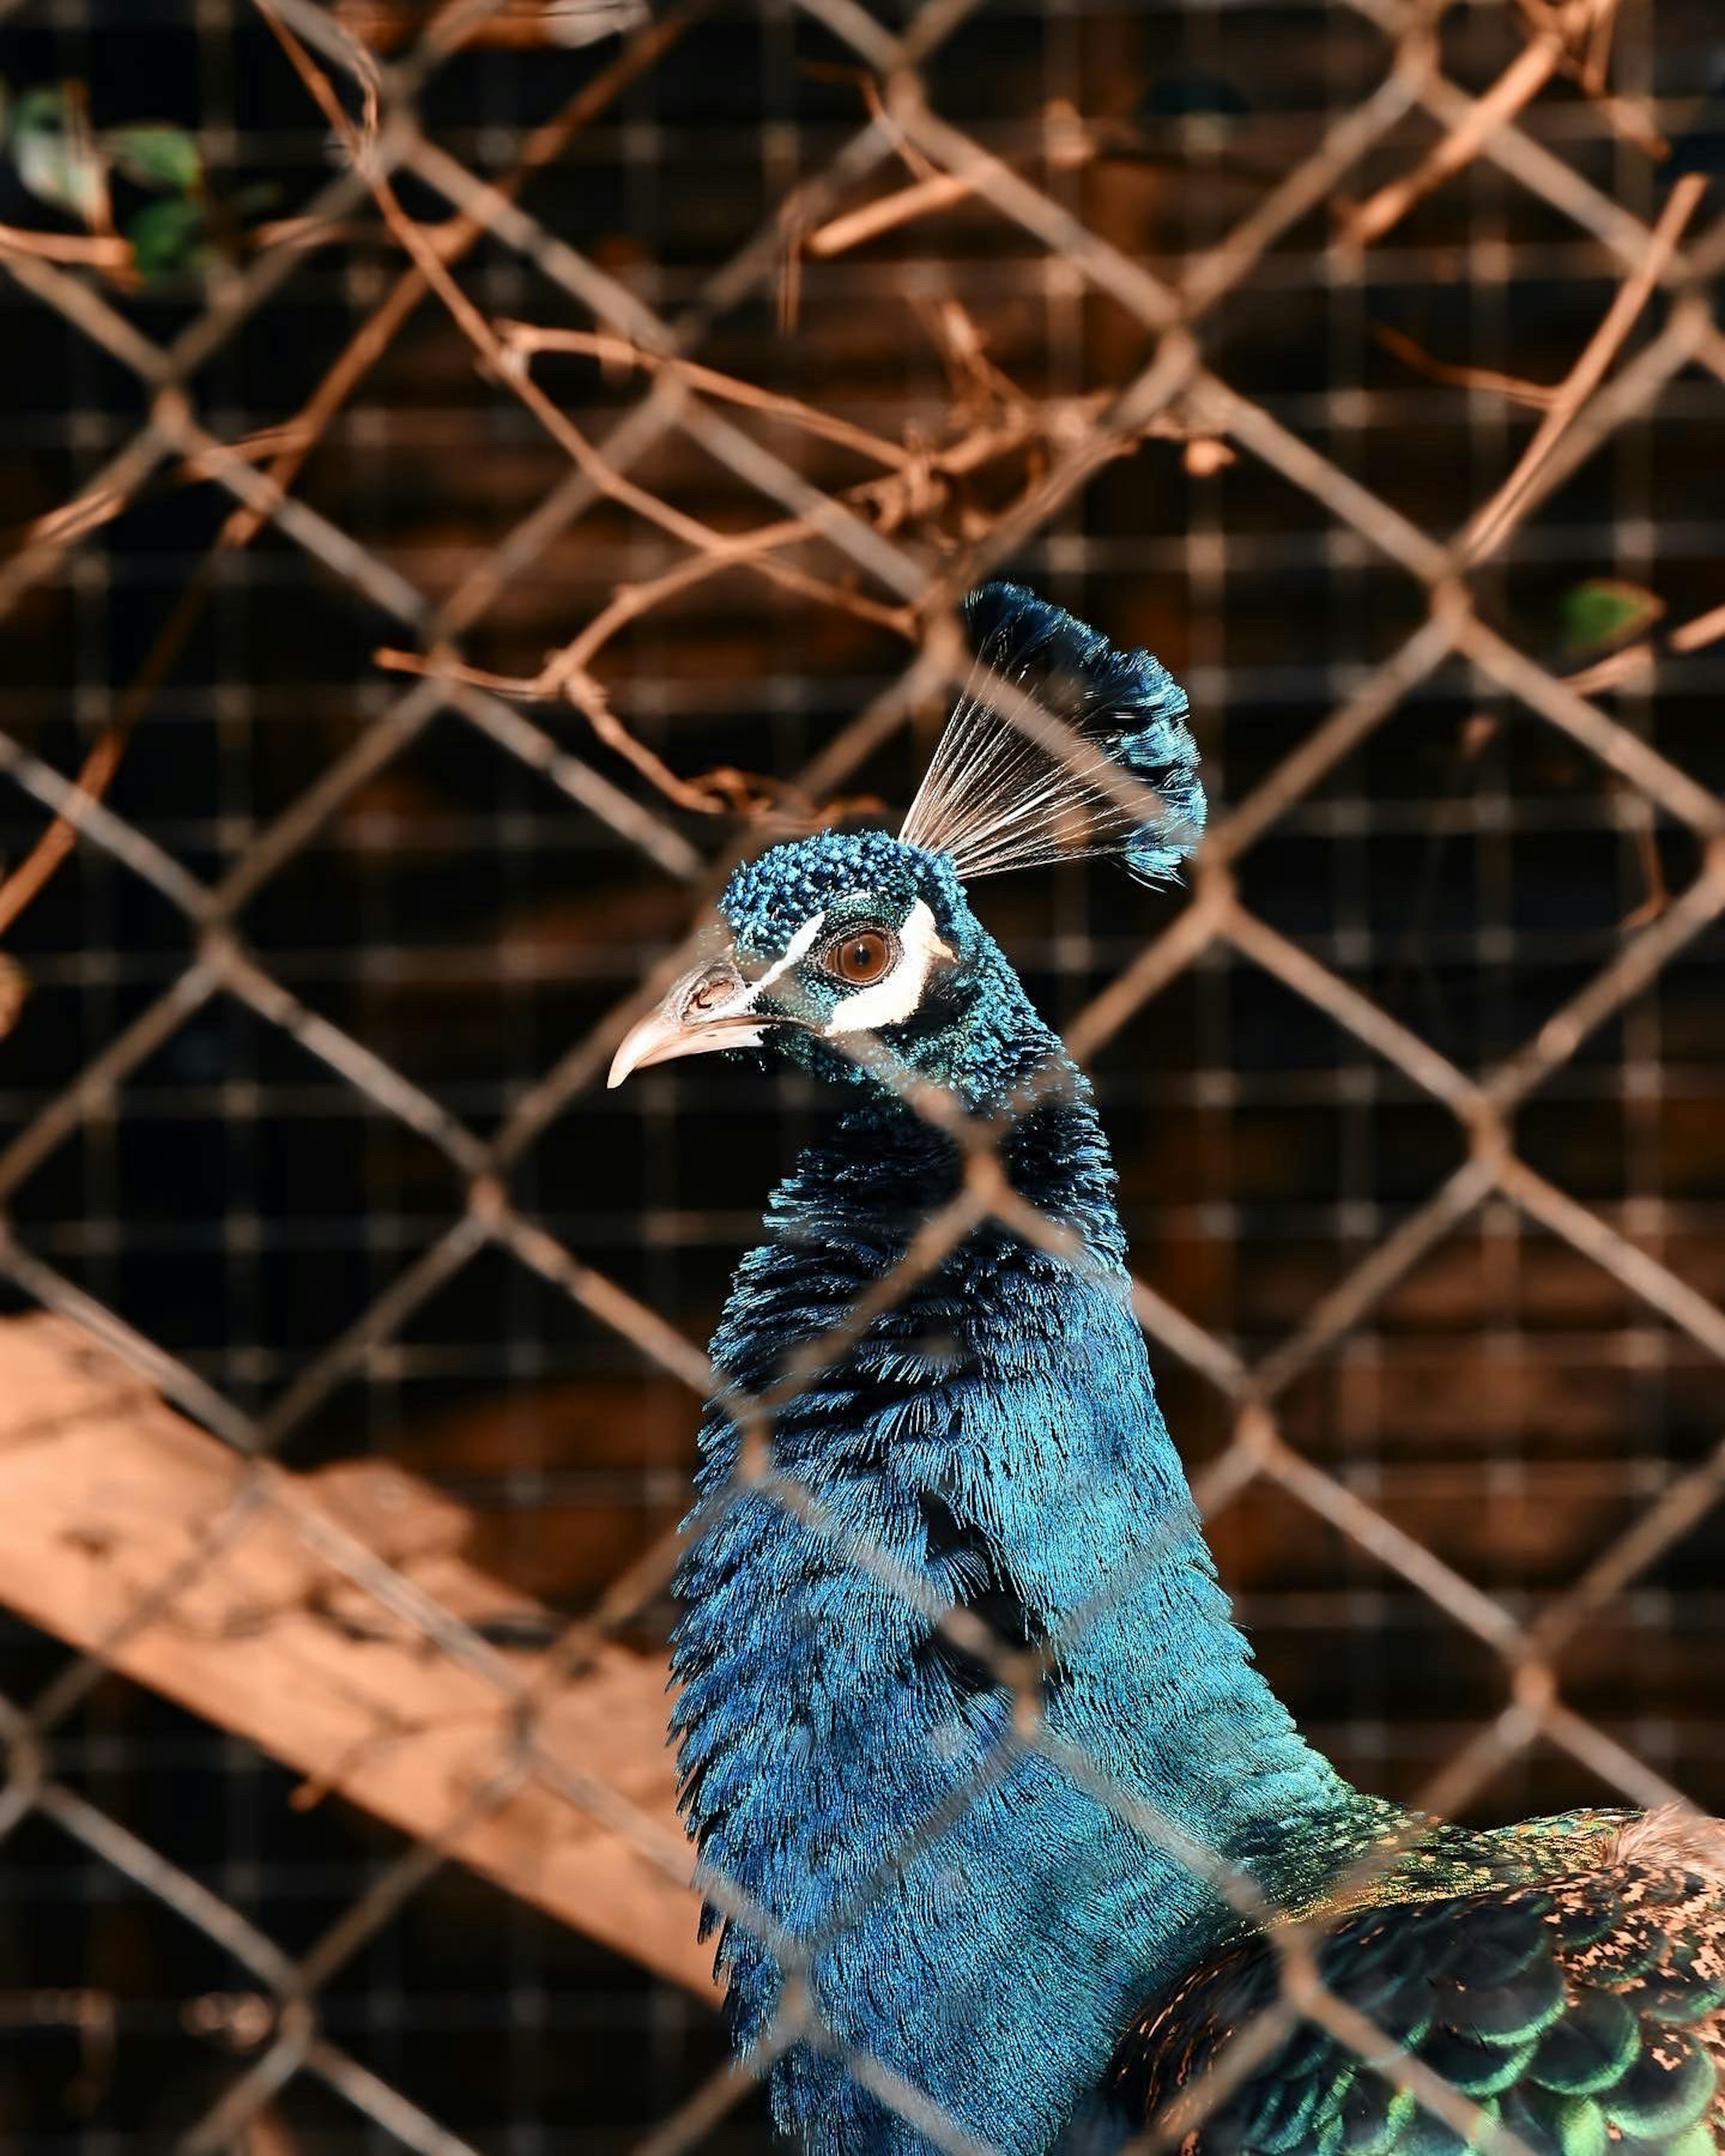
(979, 1924)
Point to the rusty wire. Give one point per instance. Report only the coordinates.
(883, 578)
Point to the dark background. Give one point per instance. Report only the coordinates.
(1469, 867)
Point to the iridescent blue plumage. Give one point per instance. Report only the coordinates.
(976, 1898)
(1006, 791)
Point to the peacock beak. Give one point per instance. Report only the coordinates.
(708, 1009)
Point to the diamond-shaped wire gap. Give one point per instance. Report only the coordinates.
(97, 948)
(1663, 1562)
(1493, 1517)
(1429, 448)
(288, 1860)
(1433, 449)
(548, 1458)
(1464, 910)
(231, 1156)
(79, 1923)
(1311, 1600)
(485, 883)
(485, 2012)
(1646, 1147)
(1678, 1128)
(1289, 1067)
(1295, 606)
(1534, 1306)
(213, 759)
(335, 2107)
(1632, 1669)
(175, 308)
(697, 679)
(692, 115)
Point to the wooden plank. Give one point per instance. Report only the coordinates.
(107, 1495)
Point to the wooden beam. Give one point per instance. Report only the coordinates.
(109, 1497)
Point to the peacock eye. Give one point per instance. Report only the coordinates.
(862, 957)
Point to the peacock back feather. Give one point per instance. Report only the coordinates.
(1566, 1976)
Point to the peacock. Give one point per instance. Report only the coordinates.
(1003, 1833)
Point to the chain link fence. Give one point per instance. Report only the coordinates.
(704, 489)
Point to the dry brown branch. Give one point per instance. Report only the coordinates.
(940, 191)
(1461, 376)
(1067, 143)
(288, 447)
(1520, 83)
(1583, 30)
(1634, 663)
(1491, 522)
(474, 327)
(86, 250)
(1706, 629)
(23, 883)
(996, 419)
(521, 340)
(104, 1491)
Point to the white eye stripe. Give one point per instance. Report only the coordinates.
(798, 948)
(896, 996)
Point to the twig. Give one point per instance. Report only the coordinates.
(1657, 899)
(1068, 144)
(1459, 375)
(1520, 83)
(588, 459)
(89, 251)
(922, 198)
(87, 512)
(523, 339)
(57, 841)
(290, 445)
(1633, 663)
(1583, 32)
(1705, 629)
(1490, 523)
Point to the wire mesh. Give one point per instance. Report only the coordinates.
(796, 322)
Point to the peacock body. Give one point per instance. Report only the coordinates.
(944, 1919)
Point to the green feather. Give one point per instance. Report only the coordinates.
(1579, 2127)
(1698, 2141)
(1591, 2048)
(1510, 2013)
(1668, 2090)
(1579, 2007)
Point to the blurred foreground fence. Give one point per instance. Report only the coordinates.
(1362, 360)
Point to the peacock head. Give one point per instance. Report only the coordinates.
(856, 955)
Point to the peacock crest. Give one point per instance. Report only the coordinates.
(1094, 756)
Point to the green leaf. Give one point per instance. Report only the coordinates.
(1603, 612)
(168, 238)
(56, 157)
(156, 156)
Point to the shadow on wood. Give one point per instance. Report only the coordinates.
(292, 1610)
